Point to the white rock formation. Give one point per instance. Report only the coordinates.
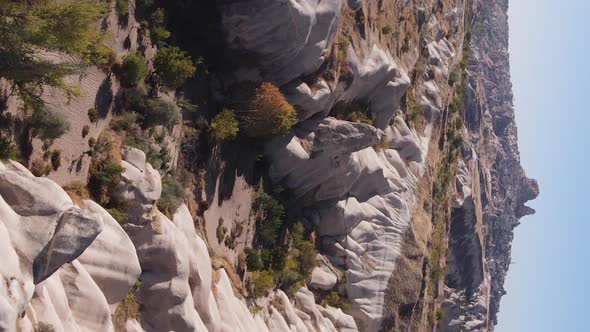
(65, 265)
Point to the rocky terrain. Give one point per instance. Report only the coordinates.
(386, 202)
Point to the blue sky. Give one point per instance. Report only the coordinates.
(549, 286)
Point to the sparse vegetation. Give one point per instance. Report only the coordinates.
(44, 327)
(128, 309)
(334, 299)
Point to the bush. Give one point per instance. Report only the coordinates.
(118, 214)
(159, 112)
(224, 126)
(48, 125)
(172, 196)
(158, 31)
(133, 70)
(55, 159)
(270, 113)
(92, 115)
(7, 149)
(104, 175)
(124, 121)
(261, 282)
(405, 45)
(128, 309)
(173, 66)
(101, 55)
(383, 143)
(44, 327)
(253, 260)
(85, 131)
(122, 8)
(39, 168)
(333, 299)
(387, 29)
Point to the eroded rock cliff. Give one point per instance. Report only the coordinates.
(403, 162)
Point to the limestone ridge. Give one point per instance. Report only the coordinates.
(497, 184)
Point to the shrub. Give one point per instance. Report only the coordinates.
(92, 115)
(43, 327)
(104, 175)
(85, 130)
(253, 260)
(48, 125)
(261, 282)
(124, 121)
(101, 55)
(159, 112)
(118, 214)
(55, 159)
(172, 196)
(383, 143)
(270, 113)
(7, 149)
(334, 299)
(122, 8)
(39, 168)
(128, 309)
(158, 31)
(133, 70)
(224, 126)
(405, 45)
(387, 29)
(173, 66)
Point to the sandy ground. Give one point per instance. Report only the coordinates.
(236, 210)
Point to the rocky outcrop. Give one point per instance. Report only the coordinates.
(69, 266)
(65, 265)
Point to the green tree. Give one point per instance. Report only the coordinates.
(253, 260)
(173, 66)
(133, 70)
(28, 27)
(224, 126)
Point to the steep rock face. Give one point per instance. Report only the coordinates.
(359, 197)
(290, 38)
(58, 267)
(80, 285)
(497, 179)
